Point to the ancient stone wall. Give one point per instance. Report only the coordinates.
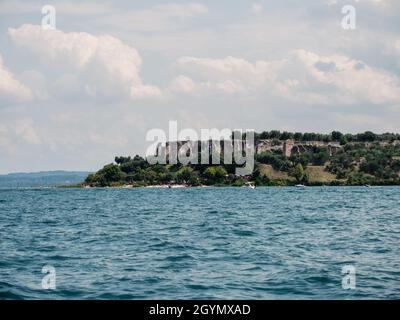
(288, 147)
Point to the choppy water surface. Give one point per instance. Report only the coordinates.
(200, 243)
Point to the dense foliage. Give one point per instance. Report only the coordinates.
(337, 136)
(374, 164)
(138, 172)
(365, 158)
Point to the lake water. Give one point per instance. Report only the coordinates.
(200, 243)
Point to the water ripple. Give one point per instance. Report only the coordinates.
(200, 243)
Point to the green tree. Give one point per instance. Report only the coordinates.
(220, 173)
(298, 136)
(320, 157)
(215, 174)
(121, 160)
(286, 135)
(110, 174)
(367, 136)
(298, 172)
(343, 140)
(91, 179)
(336, 135)
(185, 175)
(304, 159)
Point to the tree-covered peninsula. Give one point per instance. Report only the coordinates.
(281, 159)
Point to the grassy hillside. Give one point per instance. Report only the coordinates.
(319, 174)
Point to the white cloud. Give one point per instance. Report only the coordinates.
(106, 66)
(229, 74)
(143, 91)
(11, 90)
(37, 83)
(355, 80)
(183, 84)
(303, 77)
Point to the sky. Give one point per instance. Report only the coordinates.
(75, 97)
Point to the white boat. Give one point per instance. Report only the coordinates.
(300, 186)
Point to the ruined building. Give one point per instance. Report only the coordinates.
(288, 147)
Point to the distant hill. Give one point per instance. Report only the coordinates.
(42, 179)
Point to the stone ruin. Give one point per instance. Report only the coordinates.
(287, 147)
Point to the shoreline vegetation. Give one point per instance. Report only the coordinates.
(281, 159)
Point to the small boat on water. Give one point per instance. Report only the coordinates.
(367, 186)
(300, 186)
(250, 185)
